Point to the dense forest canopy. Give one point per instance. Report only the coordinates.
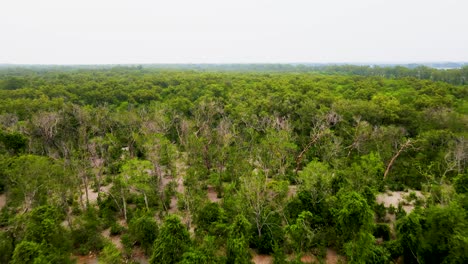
(299, 163)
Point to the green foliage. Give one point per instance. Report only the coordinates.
(38, 253)
(87, 237)
(172, 242)
(144, 230)
(116, 229)
(126, 130)
(13, 142)
(461, 183)
(238, 241)
(367, 172)
(394, 248)
(443, 234)
(304, 233)
(378, 255)
(380, 211)
(44, 226)
(271, 235)
(110, 255)
(410, 234)
(206, 252)
(353, 215)
(383, 231)
(195, 257)
(31, 179)
(209, 218)
(28, 252)
(6, 246)
(359, 250)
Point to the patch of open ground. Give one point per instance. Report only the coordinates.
(394, 198)
(89, 259)
(114, 239)
(292, 190)
(262, 259)
(333, 257)
(212, 194)
(93, 195)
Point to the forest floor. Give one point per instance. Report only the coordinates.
(262, 259)
(331, 258)
(394, 198)
(213, 195)
(116, 240)
(92, 194)
(88, 259)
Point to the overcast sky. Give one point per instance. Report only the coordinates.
(237, 31)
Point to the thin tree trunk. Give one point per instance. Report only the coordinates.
(403, 147)
(81, 198)
(98, 176)
(313, 140)
(124, 204)
(85, 183)
(146, 201)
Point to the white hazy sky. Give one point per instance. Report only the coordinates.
(236, 31)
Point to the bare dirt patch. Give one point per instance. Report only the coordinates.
(308, 258)
(394, 198)
(262, 259)
(333, 257)
(93, 195)
(139, 256)
(173, 206)
(89, 259)
(212, 194)
(114, 239)
(292, 190)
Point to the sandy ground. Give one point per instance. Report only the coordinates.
(309, 259)
(92, 195)
(332, 258)
(139, 256)
(292, 190)
(394, 198)
(114, 239)
(262, 259)
(91, 259)
(213, 195)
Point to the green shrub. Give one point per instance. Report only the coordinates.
(116, 229)
(110, 255)
(383, 231)
(144, 230)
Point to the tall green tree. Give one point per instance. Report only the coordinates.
(173, 240)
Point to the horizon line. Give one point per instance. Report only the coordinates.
(243, 63)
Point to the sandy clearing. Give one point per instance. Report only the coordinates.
(212, 194)
(333, 257)
(262, 259)
(92, 195)
(89, 259)
(292, 190)
(394, 198)
(114, 239)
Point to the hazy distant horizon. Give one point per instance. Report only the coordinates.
(246, 63)
(53, 32)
